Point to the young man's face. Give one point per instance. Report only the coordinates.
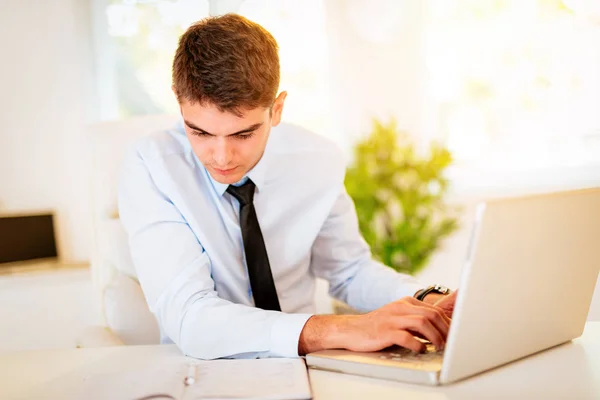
(228, 145)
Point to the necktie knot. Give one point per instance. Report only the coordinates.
(244, 193)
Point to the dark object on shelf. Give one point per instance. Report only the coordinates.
(27, 237)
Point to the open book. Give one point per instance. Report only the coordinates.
(181, 378)
(267, 378)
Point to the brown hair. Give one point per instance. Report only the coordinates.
(227, 61)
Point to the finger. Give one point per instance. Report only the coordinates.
(409, 305)
(419, 303)
(407, 340)
(418, 335)
(423, 326)
(447, 304)
(415, 302)
(448, 300)
(435, 314)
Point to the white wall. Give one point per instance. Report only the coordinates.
(46, 84)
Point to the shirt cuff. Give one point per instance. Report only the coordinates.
(285, 334)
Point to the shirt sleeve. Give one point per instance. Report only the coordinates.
(341, 256)
(175, 274)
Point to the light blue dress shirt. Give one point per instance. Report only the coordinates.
(187, 247)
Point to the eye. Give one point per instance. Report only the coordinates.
(198, 133)
(246, 136)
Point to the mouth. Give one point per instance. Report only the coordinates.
(224, 171)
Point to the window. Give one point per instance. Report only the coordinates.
(515, 84)
(143, 36)
(142, 39)
(507, 84)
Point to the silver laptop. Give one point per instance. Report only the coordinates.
(527, 285)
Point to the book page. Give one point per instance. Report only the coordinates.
(165, 377)
(266, 378)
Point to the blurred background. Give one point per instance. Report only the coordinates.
(510, 89)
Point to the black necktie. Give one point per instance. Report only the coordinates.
(259, 270)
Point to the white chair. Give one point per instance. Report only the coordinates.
(122, 313)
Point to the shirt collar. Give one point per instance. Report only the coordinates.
(220, 188)
(257, 174)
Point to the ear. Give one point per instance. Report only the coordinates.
(278, 108)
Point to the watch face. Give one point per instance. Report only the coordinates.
(441, 289)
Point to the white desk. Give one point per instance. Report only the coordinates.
(569, 371)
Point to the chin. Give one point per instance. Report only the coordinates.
(226, 179)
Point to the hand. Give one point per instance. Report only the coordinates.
(396, 324)
(446, 303)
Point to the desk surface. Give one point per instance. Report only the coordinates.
(569, 371)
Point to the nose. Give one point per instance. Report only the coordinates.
(222, 153)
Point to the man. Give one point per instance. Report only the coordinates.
(230, 222)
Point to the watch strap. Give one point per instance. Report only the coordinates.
(420, 295)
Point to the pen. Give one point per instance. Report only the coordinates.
(191, 375)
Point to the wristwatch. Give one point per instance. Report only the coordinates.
(420, 295)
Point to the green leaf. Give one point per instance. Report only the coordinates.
(388, 170)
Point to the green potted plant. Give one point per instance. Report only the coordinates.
(399, 196)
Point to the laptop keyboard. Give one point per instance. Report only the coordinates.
(398, 353)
